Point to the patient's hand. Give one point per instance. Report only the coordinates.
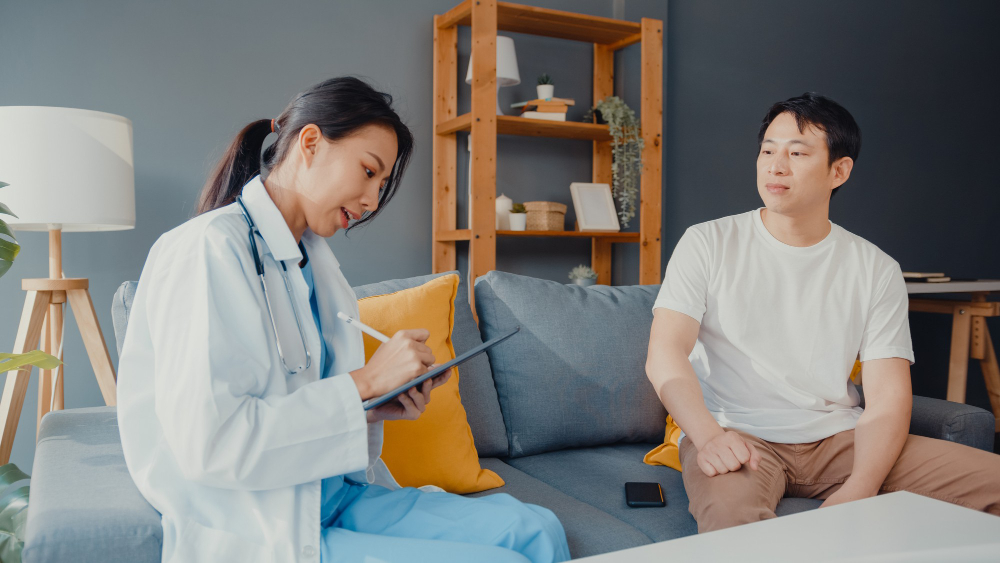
(411, 404)
(727, 452)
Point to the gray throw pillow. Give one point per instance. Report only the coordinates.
(574, 375)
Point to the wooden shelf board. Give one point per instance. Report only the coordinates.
(616, 236)
(514, 125)
(549, 23)
(466, 234)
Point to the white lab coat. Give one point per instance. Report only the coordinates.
(226, 446)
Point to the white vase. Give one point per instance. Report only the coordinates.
(518, 221)
(545, 91)
(503, 204)
(585, 282)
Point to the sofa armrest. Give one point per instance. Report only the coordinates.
(955, 422)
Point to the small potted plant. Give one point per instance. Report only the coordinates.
(583, 275)
(518, 217)
(545, 89)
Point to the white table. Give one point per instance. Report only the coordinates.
(896, 527)
(970, 337)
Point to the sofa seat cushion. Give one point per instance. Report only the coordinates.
(589, 531)
(597, 476)
(84, 506)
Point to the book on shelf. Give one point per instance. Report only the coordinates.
(938, 279)
(544, 116)
(919, 275)
(545, 102)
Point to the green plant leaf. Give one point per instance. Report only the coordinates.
(4, 210)
(5, 230)
(4, 266)
(37, 358)
(8, 250)
(14, 492)
(4, 184)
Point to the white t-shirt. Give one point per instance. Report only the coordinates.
(781, 326)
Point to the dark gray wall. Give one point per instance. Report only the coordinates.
(920, 77)
(190, 74)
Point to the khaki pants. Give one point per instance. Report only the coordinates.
(934, 468)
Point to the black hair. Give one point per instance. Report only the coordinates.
(843, 136)
(339, 107)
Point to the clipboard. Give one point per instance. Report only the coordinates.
(379, 401)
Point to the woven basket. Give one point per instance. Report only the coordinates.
(545, 216)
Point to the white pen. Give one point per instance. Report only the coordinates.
(363, 327)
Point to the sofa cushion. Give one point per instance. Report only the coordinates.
(589, 531)
(475, 382)
(436, 449)
(121, 306)
(84, 506)
(575, 374)
(597, 476)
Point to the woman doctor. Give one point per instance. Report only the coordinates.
(239, 401)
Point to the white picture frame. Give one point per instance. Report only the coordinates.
(594, 207)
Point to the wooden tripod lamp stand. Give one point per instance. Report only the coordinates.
(69, 170)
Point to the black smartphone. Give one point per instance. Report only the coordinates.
(639, 495)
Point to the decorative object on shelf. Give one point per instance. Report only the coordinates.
(92, 189)
(507, 73)
(504, 205)
(545, 216)
(626, 151)
(518, 217)
(9, 249)
(545, 88)
(549, 109)
(583, 275)
(594, 207)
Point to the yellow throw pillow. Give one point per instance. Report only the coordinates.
(436, 449)
(667, 453)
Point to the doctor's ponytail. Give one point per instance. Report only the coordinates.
(339, 107)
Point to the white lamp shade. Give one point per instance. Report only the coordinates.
(507, 74)
(68, 169)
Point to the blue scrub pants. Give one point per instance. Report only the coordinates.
(374, 524)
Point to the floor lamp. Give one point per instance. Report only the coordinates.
(69, 170)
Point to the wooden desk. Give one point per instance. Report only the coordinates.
(970, 338)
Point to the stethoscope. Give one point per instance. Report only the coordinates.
(267, 300)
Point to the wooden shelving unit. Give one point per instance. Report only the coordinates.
(487, 17)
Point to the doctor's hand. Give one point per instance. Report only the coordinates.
(409, 405)
(404, 357)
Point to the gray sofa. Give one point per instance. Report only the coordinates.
(562, 412)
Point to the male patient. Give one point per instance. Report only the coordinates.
(782, 301)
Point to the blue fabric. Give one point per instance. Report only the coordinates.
(411, 525)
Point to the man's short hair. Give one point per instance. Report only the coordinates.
(843, 136)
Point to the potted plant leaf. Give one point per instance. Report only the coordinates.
(518, 217)
(626, 152)
(583, 275)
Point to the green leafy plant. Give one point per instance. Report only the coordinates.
(8, 248)
(626, 152)
(518, 208)
(14, 489)
(582, 272)
(544, 79)
(8, 252)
